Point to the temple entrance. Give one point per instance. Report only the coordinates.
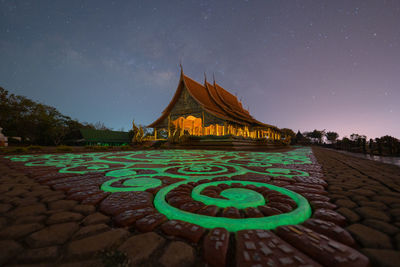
(194, 126)
(190, 124)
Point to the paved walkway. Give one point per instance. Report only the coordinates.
(382, 159)
(367, 193)
(39, 226)
(49, 218)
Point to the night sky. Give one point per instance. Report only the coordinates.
(304, 65)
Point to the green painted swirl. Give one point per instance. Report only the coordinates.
(134, 184)
(236, 197)
(297, 216)
(141, 170)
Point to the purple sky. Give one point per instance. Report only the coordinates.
(304, 65)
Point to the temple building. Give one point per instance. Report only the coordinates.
(209, 110)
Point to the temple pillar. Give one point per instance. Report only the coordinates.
(169, 125)
(202, 124)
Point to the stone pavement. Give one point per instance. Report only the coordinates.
(40, 227)
(49, 218)
(367, 193)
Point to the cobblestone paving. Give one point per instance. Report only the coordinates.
(173, 208)
(367, 193)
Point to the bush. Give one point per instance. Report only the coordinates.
(64, 149)
(163, 146)
(158, 143)
(97, 148)
(19, 150)
(14, 141)
(125, 147)
(34, 148)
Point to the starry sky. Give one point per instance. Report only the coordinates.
(303, 65)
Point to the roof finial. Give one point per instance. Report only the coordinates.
(205, 77)
(180, 65)
(214, 79)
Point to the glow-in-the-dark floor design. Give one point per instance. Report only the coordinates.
(197, 171)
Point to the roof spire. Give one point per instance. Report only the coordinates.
(205, 78)
(214, 79)
(180, 65)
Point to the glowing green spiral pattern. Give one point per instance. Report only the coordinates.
(135, 184)
(236, 197)
(202, 168)
(299, 215)
(143, 170)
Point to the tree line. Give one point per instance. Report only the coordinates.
(36, 123)
(385, 145)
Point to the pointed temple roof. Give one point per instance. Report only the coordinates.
(215, 100)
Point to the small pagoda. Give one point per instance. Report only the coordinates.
(209, 110)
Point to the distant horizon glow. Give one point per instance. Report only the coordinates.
(327, 65)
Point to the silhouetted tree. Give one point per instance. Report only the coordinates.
(34, 122)
(390, 143)
(100, 126)
(379, 143)
(371, 145)
(363, 144)
(288, 132)
(289, 135)
(345, 143)
(332, 136)
(316, 135)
